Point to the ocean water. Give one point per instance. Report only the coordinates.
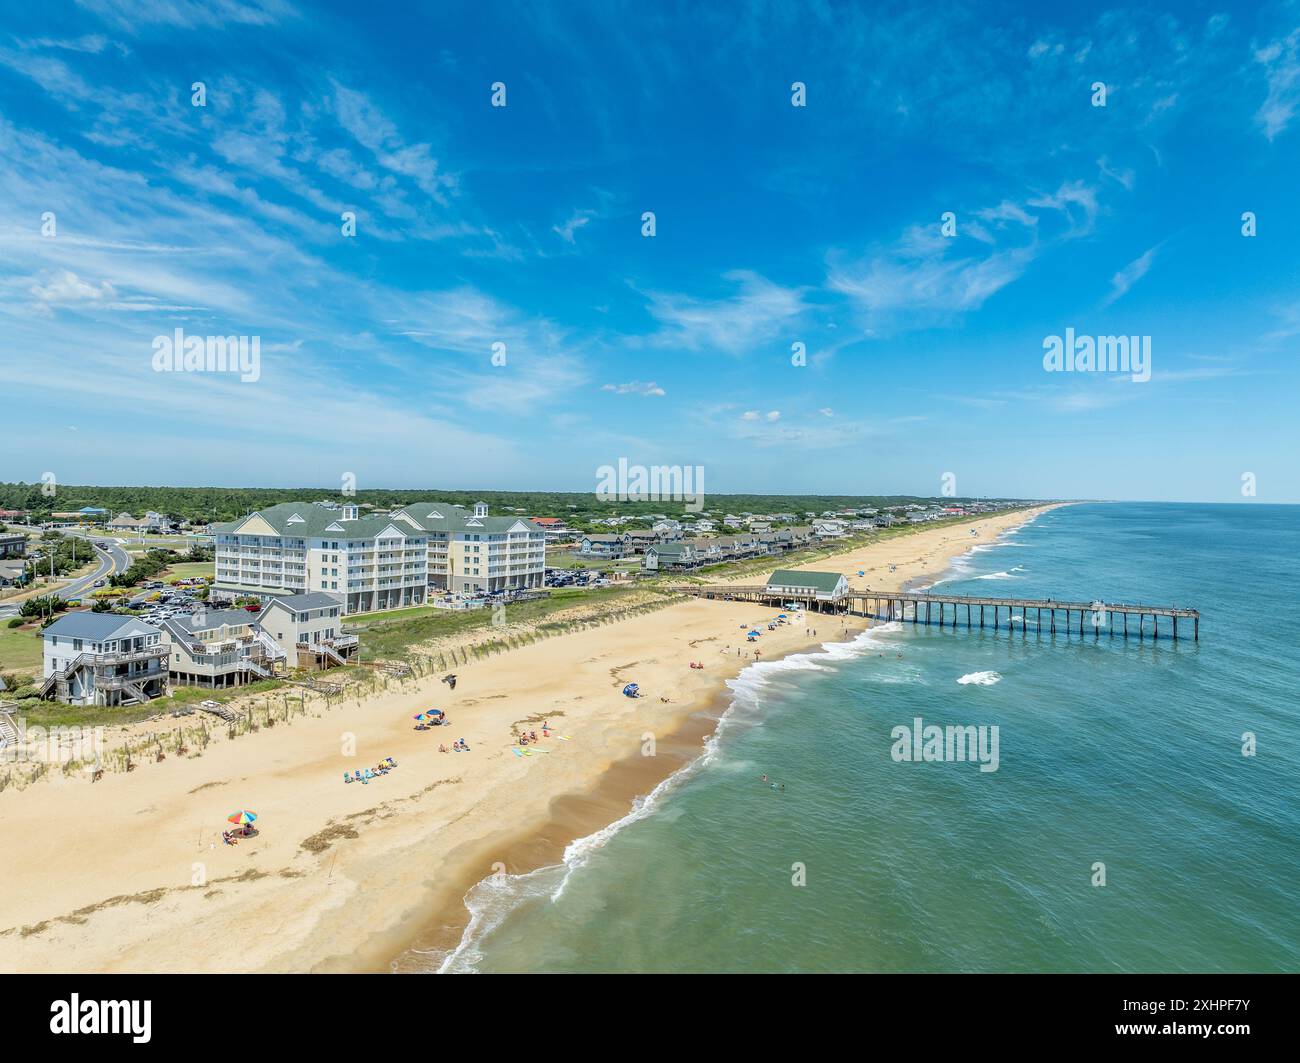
(1110, 752)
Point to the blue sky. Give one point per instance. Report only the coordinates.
(775, 224)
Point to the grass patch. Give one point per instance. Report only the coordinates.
(189, 570)
(57, 714)
(20, 649)
(393, 635)
(565, 559)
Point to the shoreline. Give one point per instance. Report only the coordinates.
(345, 882)
(616, 794)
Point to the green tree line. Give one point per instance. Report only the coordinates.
(215, 504)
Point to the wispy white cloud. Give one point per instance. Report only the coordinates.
(754, 316)
(89, 43)
(130, 15)
(1130, 275)
(374, 130)
(635, 387)
(925, 278)
(1281, 62)
(576, 221)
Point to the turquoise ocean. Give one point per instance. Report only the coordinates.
(1119, 753)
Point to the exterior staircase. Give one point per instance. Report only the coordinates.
(9, 736)
(330, 653)
(257, 669)
(61, 678)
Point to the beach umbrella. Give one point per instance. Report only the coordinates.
(241, 817)
(753, 632)
(435, 712)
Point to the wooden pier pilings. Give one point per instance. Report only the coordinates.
(951, 609)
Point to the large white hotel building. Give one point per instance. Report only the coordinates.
(377, 561)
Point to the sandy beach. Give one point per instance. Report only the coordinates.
(130, 873)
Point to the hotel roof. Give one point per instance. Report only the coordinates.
(438, 516)
(307, 521)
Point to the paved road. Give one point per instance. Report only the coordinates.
(112, 560)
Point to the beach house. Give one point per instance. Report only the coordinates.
(635, 540)
(103, 659)
(663, 556)
(602, 545)
(830, 528)
(308, 630)
(220, 648)
(12, 573)
(735, 546)
(793, 538)
(822, 586)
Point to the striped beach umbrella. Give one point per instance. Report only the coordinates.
(241, 817)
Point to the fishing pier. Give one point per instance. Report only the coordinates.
(950, 610)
